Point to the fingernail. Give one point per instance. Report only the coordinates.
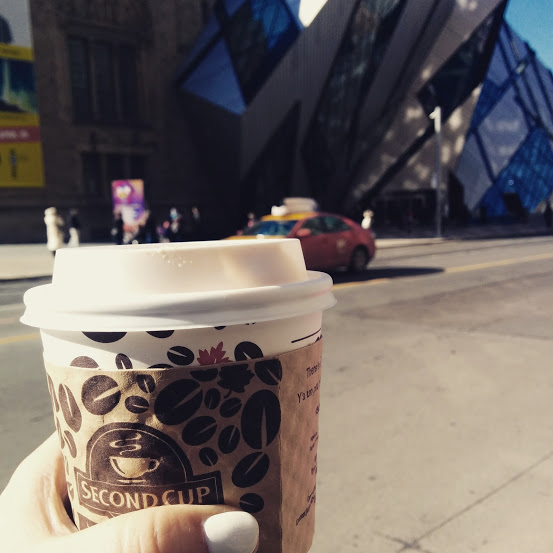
(231, 532)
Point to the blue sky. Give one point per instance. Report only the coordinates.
(533, 22)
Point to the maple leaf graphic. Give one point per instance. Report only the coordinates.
(215, 355)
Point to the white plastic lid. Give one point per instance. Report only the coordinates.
(175, 286)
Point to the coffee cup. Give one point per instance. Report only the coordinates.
(187, 373)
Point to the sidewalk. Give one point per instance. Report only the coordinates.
(27, 261)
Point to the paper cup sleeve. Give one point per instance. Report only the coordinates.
(244, 434)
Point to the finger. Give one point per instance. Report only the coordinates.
(167, 529)
(35, 495)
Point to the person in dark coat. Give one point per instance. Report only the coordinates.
(117, 229)
(548, 215)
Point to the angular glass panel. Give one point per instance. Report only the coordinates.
(359, 55)
(257, 35)
(526, 181)
(463, 71)
(215, 80)
(489, 96)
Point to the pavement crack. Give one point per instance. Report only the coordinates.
(406, 545)
(485, 497)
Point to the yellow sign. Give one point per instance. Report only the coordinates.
(21, 163)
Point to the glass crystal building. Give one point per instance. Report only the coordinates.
(337, 106)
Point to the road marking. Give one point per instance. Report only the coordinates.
(19, 338)
(362, 283)
(459, 269)
(374, 282)
(499, 263)
(11, 307)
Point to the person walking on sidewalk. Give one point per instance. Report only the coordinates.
(54, 229)
(548, 215)
(74, 228)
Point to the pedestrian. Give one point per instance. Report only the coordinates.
(74, 228)
(54, 229)
(172, 229)
(410, 220)
(195, 233)
(117, 229)
(34, 518)
(367, 219)
(147, 230)
(251, 220)
(548, 215)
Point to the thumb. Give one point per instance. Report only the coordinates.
(167, 529)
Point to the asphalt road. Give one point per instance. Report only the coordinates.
(436, 429)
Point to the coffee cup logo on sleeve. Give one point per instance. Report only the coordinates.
(205, 391)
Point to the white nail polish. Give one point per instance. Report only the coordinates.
(231, 532)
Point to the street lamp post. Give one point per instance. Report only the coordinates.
(436, 115)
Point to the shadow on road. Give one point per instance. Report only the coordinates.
(382, 272)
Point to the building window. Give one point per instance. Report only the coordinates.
(80, 79)
(92, 173)
(104, 81)
(128, 83)
(115, 167)
(100, 169)
(103, 77)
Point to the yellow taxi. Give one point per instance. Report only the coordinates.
(329, 241)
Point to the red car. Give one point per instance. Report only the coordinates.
(328, 241)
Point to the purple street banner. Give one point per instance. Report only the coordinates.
(128, 200)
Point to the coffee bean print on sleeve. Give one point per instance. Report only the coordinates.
(69, 408)
(212, 398)
(180, 356)
(160, 366)
(137, 404)
(230, 407)
(208, 457)
(104, 337)
(229, 438)
(146, 383)
(178, 401)
(250, 470)
(122, 362)
(68, 437)
(60, 436)
(84, 362)
(269, 371)
(247, 350)
(199, 430)
(161, 333)
(52, 393)
(100, 394)
(260, 419)
(251, 503)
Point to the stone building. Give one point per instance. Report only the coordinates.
(108, 109)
